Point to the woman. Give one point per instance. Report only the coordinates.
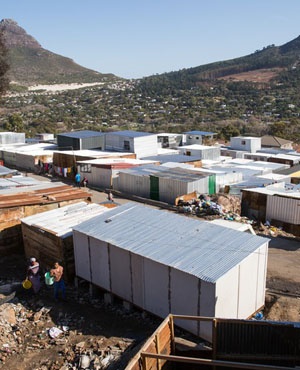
(33, 275)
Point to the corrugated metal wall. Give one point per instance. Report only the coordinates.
(133, 184)
(149, 285)
(12, 138)
(171, 188)
(283, 209)
(261, 341)
(9, 158)
(145, 146)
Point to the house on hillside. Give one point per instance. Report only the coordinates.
(143, 144)
(166, 263)
(78, 140)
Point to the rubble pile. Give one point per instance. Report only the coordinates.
(30, 329)
(220, 206)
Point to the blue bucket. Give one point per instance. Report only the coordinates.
(49, 280)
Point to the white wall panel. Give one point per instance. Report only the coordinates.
(156, 282)
(138, 292)
(120, 272)
(82, 255)
(134, 184)
(100, 263)
(184, 296)
(227, 294)
(284, 209)
(262, 255)
(248, 282)
(207, 305)
(145, 146)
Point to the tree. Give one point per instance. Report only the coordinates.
(14, 123)
(4, 66)
(229, 131)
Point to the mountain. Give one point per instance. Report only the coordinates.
(263, 66)
(31, 64)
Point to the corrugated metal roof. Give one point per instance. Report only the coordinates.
(280, 189)
(199, 248)
(38, 185)
(114, 161)
(6, 171)
(129, 133)
(61, 220)
(30, 195)
(198, 147)
(177, 173)
(18, 181)
(82, 134)
(145, 170)
(178, 158)
(202, 133)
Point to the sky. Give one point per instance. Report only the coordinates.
(139, 38)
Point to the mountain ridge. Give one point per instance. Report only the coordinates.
(31, 64)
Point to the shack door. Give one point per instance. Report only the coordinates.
(212, 184)
(154, 188)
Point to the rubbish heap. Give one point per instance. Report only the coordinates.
(30, 329)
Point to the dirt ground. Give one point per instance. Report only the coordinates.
(110, 334)
(283, 276)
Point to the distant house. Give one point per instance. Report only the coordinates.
(104, 172)
(245, 143)
(201, 151)
(30, 157)
(65, 161)
(268, 141)
(197, 137)
(79, 140)
(163, 184)
(166, 140)
(143, 144)
(12, 138)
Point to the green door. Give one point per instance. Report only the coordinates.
(154, 188)
(212, 184)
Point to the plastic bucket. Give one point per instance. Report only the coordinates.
(49, 280)
(27, 284)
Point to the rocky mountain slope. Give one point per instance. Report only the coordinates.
(31, 64)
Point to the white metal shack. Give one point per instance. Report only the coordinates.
(167, 263)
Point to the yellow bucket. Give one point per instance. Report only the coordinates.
(27, 284)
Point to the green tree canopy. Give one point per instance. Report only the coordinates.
(14, 123)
